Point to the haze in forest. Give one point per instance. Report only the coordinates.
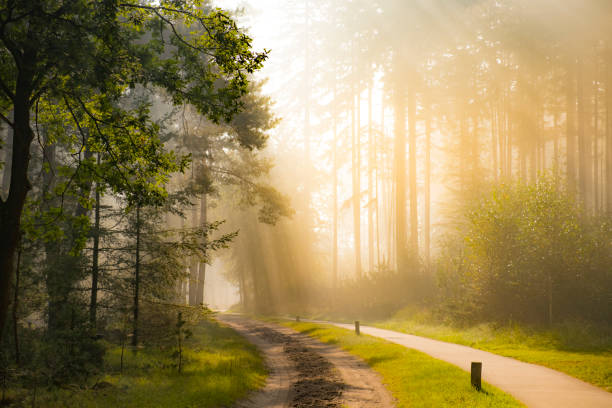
(398, 119)
(445, 160)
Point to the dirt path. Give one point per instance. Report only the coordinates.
(307, 373)
(536, 386)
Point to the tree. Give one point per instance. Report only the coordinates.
(91, 53)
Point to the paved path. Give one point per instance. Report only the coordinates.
(536, 386)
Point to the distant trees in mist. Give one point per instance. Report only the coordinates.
(421, 107)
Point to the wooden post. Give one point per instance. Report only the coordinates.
(476, 375)
(297, 319)
(357, 327)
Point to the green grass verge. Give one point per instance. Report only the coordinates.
(220, 367)
(414, 378)
(580, 350)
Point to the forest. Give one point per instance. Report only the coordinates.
(169, 168)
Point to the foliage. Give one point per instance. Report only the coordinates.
(220, 368)
(529, 254)
(375, 296)
(84, 80)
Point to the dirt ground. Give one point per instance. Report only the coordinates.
(307, 373)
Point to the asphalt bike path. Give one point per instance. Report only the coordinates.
(534, 385)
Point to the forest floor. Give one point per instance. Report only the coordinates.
(307, 373)
(534, 385)
(220, 367)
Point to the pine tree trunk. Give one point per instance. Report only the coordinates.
(193, 267)
(371, 195)
(379, 173)
(202, 265)
(356, 182)
(12, 207)
(136, 281)
(16, 306)
(93, 304)
(7, 147)
(609, 132)
(400, 176)
(571, 127)
(583, 142)
(595, 141)
(494, 136)
(412, 174)
(556, 148)
(427, 215)
(335, 193)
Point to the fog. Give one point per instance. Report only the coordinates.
(396, 116)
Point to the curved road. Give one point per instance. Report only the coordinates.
(536, 386)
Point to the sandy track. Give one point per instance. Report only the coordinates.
(307, 373)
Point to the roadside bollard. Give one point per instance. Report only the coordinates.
(357, 327)
(476, 375)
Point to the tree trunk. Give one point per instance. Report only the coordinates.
(193, 268)
(307, 97)
(6, 160)
(583, 142)
(335, 193)
(400, 176)
(595, 141)
(12, 207)
(16, 306)
(93, 304)
(379, 173)
(371, 195)
(355, 156)
(609, 133)
(202, 266)
(136, 280)
(494, 136)
(427, 215)
(242, 282)
(571, 127)
(412, 173)
(556, 149)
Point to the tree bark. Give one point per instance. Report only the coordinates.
(609, 133)
(12, 207)
(193, 268)
(595, 141)
(371, 195)
(16, 306)
(335, 192)
(202, 266)
(571, 127)
(412, 173)
(427, 214)
(584, 176)
(93, 304)
(356, 172)
(135, 328)
(400, 176)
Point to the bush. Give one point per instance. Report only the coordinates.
(527, 253)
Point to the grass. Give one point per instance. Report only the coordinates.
(220, 367)
(414, 378)
(580, 350)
